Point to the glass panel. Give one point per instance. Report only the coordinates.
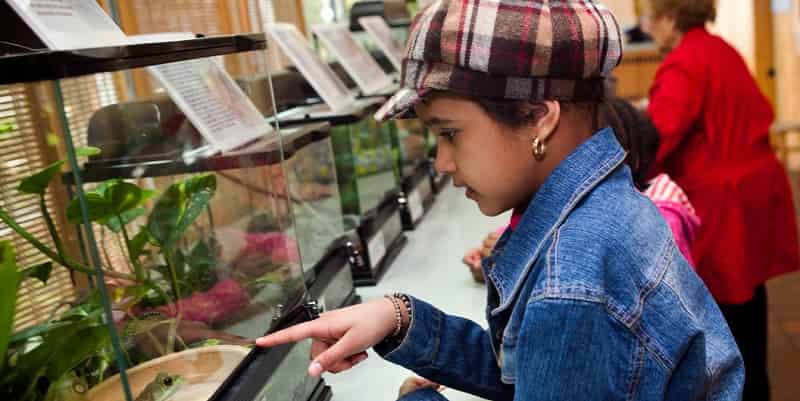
(286, 384)
(314, 190)
(364, 164)
(409, 143)
(198, 247)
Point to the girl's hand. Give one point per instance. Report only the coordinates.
(415, 383)
(473, 258)
(340, 337)
(488, 244)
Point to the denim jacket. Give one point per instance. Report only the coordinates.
(588, 299)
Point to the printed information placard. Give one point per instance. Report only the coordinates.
(329, 87)
(69, 24)
(212, 101)
(364, 70)
(381, 33)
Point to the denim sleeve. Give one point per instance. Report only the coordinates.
(451, 351)
(567, 350)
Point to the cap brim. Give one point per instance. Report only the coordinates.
(401, 105)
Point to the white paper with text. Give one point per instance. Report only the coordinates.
(69, 24)
(381, 33)
(364, 70)
(329, 87)
(212, 101)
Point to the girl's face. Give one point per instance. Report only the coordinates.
(493, 162)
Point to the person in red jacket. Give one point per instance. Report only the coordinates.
(714, 126)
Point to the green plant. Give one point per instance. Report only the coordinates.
(114, 204)
(75, 346)
(37, 185)
(34, 358)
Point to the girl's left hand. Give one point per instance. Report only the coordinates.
(473, 258)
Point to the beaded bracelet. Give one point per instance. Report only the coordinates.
(407, 301)
(397, 314)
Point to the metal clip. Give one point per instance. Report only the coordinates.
(354, 255)
(313, 308)
(278, 313)
(402, 200)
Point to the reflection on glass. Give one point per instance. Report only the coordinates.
(409, 142)
(290, 383)
(316, 203)
(365, 164)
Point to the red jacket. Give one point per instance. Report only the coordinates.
(714, 126)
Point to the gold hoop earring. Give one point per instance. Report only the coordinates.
(538, 148)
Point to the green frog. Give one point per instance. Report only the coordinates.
(163, 387)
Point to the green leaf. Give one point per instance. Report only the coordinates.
(200, 263)
(40, 271)
(103, 186)
(201, 257)
(148, 193)
(10, 278)
(166, 213)
(99, 208)
(62, 349)
(138, 242)
(83, 311)
(6, 127)
(87, 151)
(123, 196)
(179, 263)
(115, 223)
(179, 207)
(22, 336)
(38, 183)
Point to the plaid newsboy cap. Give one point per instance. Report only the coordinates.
(507, 49)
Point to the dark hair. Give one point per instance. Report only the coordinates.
(637, 135)
(633, 129)
(511, 112)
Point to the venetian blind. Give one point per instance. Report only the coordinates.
(83, 96)
(22, 155)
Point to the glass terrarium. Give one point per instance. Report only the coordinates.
(410, 145)
(364, 160)
(315, 195)
(178, 245)
(365, 169)
(314, 192)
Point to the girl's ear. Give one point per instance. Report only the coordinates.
(545, 117)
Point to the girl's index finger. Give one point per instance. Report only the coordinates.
(292, 334)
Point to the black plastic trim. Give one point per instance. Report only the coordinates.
(58, 64)
(104, 170)
(364, 279)
(249, 377)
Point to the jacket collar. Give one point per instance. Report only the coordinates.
(570, 182)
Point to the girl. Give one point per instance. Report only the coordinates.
(639, 138)
(588, 296)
